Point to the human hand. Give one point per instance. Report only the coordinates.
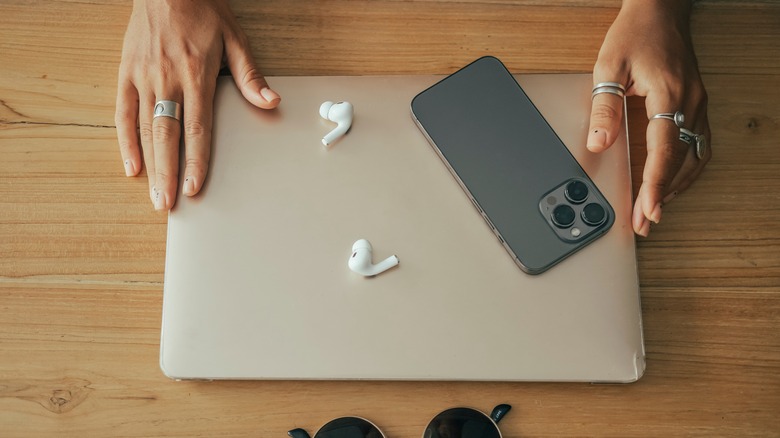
(173, 51)
(648, 48)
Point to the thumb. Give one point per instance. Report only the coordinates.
(245, 72)
(605, 116)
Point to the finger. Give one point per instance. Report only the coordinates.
(245, 72)
(198, 116)
(638, 220)
(691, 176)
(167, 135)
(606, 108)
(665, 156)
(145, 113)
(126, 119)
(605, 116)
(691, 168)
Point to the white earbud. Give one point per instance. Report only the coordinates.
(341, 113)
(360, 260)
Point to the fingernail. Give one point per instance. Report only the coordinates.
(655, 216)
(269, 95)
(129, 169)
(597, 139)
(670, 196)
(189, 186)
(645, 230)
(158, 199)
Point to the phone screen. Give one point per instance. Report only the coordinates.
(520, 176)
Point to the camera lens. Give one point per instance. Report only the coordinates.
(563, 216)
(593, 214)
(576, 191)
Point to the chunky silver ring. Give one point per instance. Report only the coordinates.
(607, 89)
(167, 108)
(698, 140)
(610, 84)
(677, 117)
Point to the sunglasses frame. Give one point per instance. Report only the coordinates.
(495, 416)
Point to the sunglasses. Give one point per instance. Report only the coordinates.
(452, 423)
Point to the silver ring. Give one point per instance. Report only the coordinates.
(610, 84)
(607, 89)
(698, 140)
(677, 117)
(167, 108)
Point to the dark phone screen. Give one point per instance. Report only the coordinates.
(509, 159)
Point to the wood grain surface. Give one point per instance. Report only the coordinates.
(82, 251)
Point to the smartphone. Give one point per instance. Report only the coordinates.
(519, 175)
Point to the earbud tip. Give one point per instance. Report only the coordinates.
(324, 108)
(362, 243)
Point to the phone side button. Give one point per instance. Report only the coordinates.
(490, 224)
(500, 239)
(476, 205)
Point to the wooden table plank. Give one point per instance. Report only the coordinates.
(65, 55)
(82, 359)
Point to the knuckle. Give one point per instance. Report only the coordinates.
(195, 164)
(165, 176)
(194, 128)
(670, 150)
(251, 74)
(164, 132)
(603, 112)
(145, 132)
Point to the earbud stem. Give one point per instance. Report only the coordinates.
(334, 135)
(384, 265)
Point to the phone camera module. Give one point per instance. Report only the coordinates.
(563, 216)
(575, 211)
(594, 214)
(576, 192)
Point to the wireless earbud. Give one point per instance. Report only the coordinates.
(341, 113)
(360, 260)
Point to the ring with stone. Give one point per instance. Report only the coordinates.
(699, 141)
(677, 117)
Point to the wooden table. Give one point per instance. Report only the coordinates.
(82, 251)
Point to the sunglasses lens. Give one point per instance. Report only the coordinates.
(348, 427)
(461, 423)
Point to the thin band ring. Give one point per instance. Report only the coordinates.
(607, 89)
(167, 108)
(677, 117)
(610, 84)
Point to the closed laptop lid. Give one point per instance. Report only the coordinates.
(256, 279)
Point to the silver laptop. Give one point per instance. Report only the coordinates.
(256, 278)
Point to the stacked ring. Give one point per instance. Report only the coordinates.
(609, 87)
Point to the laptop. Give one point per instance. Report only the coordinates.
(256, 278)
